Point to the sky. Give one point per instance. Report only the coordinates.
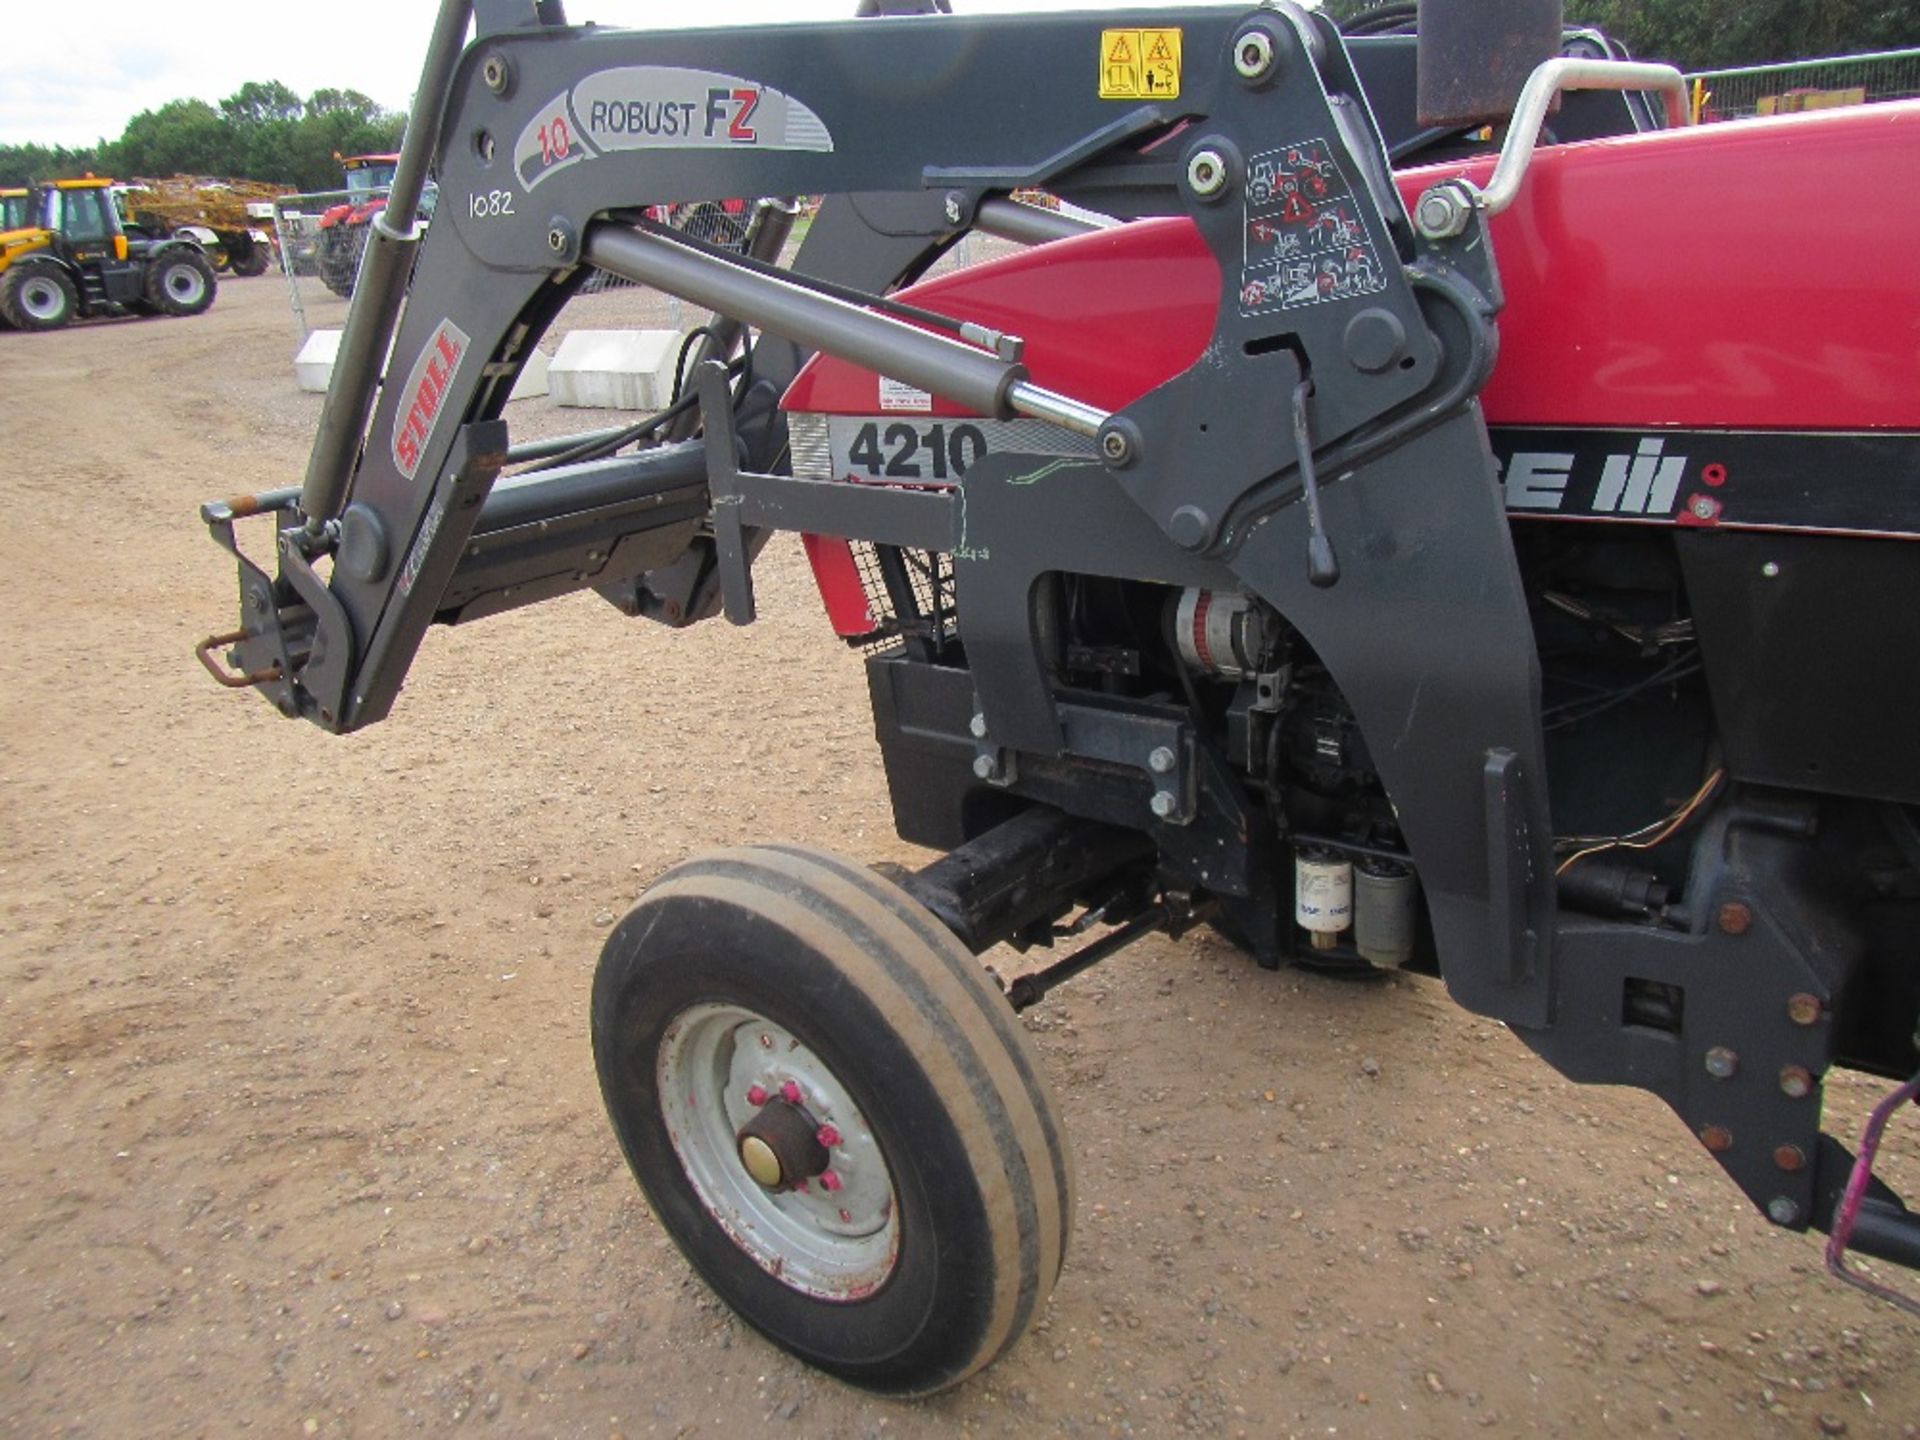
(75, 79)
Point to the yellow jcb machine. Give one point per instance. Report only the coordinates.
(66, 255)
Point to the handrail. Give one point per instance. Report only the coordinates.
(1444, 208)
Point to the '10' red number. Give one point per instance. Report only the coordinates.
(554, 141)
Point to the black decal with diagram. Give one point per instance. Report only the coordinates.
(1304, 241)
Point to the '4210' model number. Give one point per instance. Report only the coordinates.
(900, 451)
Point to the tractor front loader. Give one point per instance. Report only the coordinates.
(1506, 568)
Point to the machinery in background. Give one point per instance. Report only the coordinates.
(74, 258)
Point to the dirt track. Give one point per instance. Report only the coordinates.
(298, 1126)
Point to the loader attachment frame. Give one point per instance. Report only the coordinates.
(552, 140)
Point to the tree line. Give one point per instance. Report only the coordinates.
(263, 131)
(1719, 34)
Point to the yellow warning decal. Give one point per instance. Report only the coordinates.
(1140, 64)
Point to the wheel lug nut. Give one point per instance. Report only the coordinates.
(827, 1136)
(790, 1092)
(829, 1180)
(756, 1095)
(766, 1042)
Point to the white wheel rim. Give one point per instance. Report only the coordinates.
(834, 1239)
(185, 284)
(41, 299)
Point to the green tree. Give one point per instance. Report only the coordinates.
(182, 137)
(24, 164)
(1706, 34)
(262, 103)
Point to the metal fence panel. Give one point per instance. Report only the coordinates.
(1805, 85)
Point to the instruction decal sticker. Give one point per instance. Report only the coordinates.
(1140, 64)
(1304, 242)
(425, 393)
(663, 107)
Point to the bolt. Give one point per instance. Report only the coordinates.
(1375, 341)
(790, 1092)
(1735, 917)
(1722, 1062)
(978, 725)
(756, 1095)
(952, 208)
(983, 766)
(557, 240)
(1704, 507)
(1189, 526)
(1717, 1138)
(1789, 1157)
(766, 1042)
(1804, 1009)
(1253, 55)
(1160, 761)
(1207, 172)
(1771, 569)
(827, 1136)
(846, 1217)
(829, 1180)
(1795, 1082)
(1113, 446)
(1442, 212)
(1162, 803)
(1782, 1211)
(496, 74)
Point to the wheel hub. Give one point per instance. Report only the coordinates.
(778, 1152)
(781, 1145)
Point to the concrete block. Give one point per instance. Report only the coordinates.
(614, 369)
(532, 380)
(313, 366)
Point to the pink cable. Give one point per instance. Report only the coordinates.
(1848, 1211)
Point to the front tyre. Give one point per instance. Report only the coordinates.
(180, 282)
(250, 261)
(38, 297)
(338, 258)
(834, 1114)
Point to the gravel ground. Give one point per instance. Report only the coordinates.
(299, 1133)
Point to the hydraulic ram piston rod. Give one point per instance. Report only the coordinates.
(893, 348)
(382, 282)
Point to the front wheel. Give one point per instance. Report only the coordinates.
(834, 1114)
(180, 282)
(338, 258)
(253, 260)
(38, 297)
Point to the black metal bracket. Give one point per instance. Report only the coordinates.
(917, 519)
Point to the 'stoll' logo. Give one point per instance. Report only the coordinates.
(425, 393)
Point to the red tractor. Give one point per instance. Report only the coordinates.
(1395, 548)
(343, 227)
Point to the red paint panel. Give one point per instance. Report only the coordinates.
(1106, 317)
(838, 580)
(1762, 274)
